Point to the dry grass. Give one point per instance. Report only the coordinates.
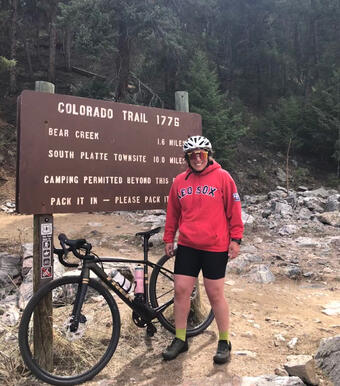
(12, 367)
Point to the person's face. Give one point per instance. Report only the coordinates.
(198, 159)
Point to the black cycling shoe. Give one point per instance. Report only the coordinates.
(223, 352)
(176, 347)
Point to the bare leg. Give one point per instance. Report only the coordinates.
(219, 304)
(183, 289)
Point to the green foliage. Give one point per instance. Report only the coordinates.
(94, 88)
(275, 59)
(312, 123)
(6, 64)
(220, 123)
(91, 23)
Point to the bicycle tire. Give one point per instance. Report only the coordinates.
(161, 290)
(96, 339)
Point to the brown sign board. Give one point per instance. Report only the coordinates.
(77, 154)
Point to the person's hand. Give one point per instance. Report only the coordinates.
(169, 249)
(234, 250)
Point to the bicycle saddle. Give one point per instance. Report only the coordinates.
(149, 233)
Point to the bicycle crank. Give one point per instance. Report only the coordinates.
(138, 320)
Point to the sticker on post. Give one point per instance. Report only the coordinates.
(46, 229)
(46, 272)
(46, 262)
(46, 243)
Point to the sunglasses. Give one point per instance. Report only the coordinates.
(202, 154)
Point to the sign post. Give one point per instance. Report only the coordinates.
(42, 273)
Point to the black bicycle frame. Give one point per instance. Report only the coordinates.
(143, 309)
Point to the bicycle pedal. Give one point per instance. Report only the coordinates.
(151, 330)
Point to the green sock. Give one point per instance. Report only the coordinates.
(223, 335)
(181, 333)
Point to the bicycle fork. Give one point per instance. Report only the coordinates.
(76, 316)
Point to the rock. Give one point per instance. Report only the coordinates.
(10, 266)
(277, 194)
(27, 250)
(261, 274)
(302, 366)
(279, 338)
(304, 214)
(8, 207)
(320, 192)
(293, 272)
(292, 343)
(11, 316)
(266, 213)
(333, 203)
(281, 372)
(288, 230)
(313, 203)
(330, 218)
(332, 308)
(247, 353)
(328, 358)
(282, 208)
(247, 219)
(281, 175)
(307, 242)
(271, 380)
(242, 263)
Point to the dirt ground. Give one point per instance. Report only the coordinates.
(258, 313)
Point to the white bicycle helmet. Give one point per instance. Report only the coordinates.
(197, 142)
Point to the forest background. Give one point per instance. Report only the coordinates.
(264, 74)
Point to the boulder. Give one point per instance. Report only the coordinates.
(333, 203)
(330, 218)
(302, 366)
(332, 308)
(261, 274)
(328, 358)
(10, 266)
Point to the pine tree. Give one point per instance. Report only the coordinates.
(220, 123)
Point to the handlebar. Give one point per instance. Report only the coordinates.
(73, 246)
(78, 245)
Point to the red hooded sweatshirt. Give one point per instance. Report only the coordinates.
(206, 209)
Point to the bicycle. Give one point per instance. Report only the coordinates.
(86, 323)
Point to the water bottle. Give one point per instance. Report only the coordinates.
(139, 280)
(121, 280)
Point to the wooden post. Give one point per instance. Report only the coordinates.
(42, 273)
(182, 101)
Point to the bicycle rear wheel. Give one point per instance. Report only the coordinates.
(162, 290)
(76, 356)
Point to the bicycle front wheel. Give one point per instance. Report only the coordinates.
(162, 290)
(76, 356)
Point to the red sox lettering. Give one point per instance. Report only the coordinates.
(205, 190)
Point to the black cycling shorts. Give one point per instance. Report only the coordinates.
(190, 261)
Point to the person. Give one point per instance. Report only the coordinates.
(205, 208)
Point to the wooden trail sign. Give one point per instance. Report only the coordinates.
(78, 154)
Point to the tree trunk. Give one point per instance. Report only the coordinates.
(123, 61)
(53, 44)
(28, 57)
(68, 44)
(37, 43)
(12, 71)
